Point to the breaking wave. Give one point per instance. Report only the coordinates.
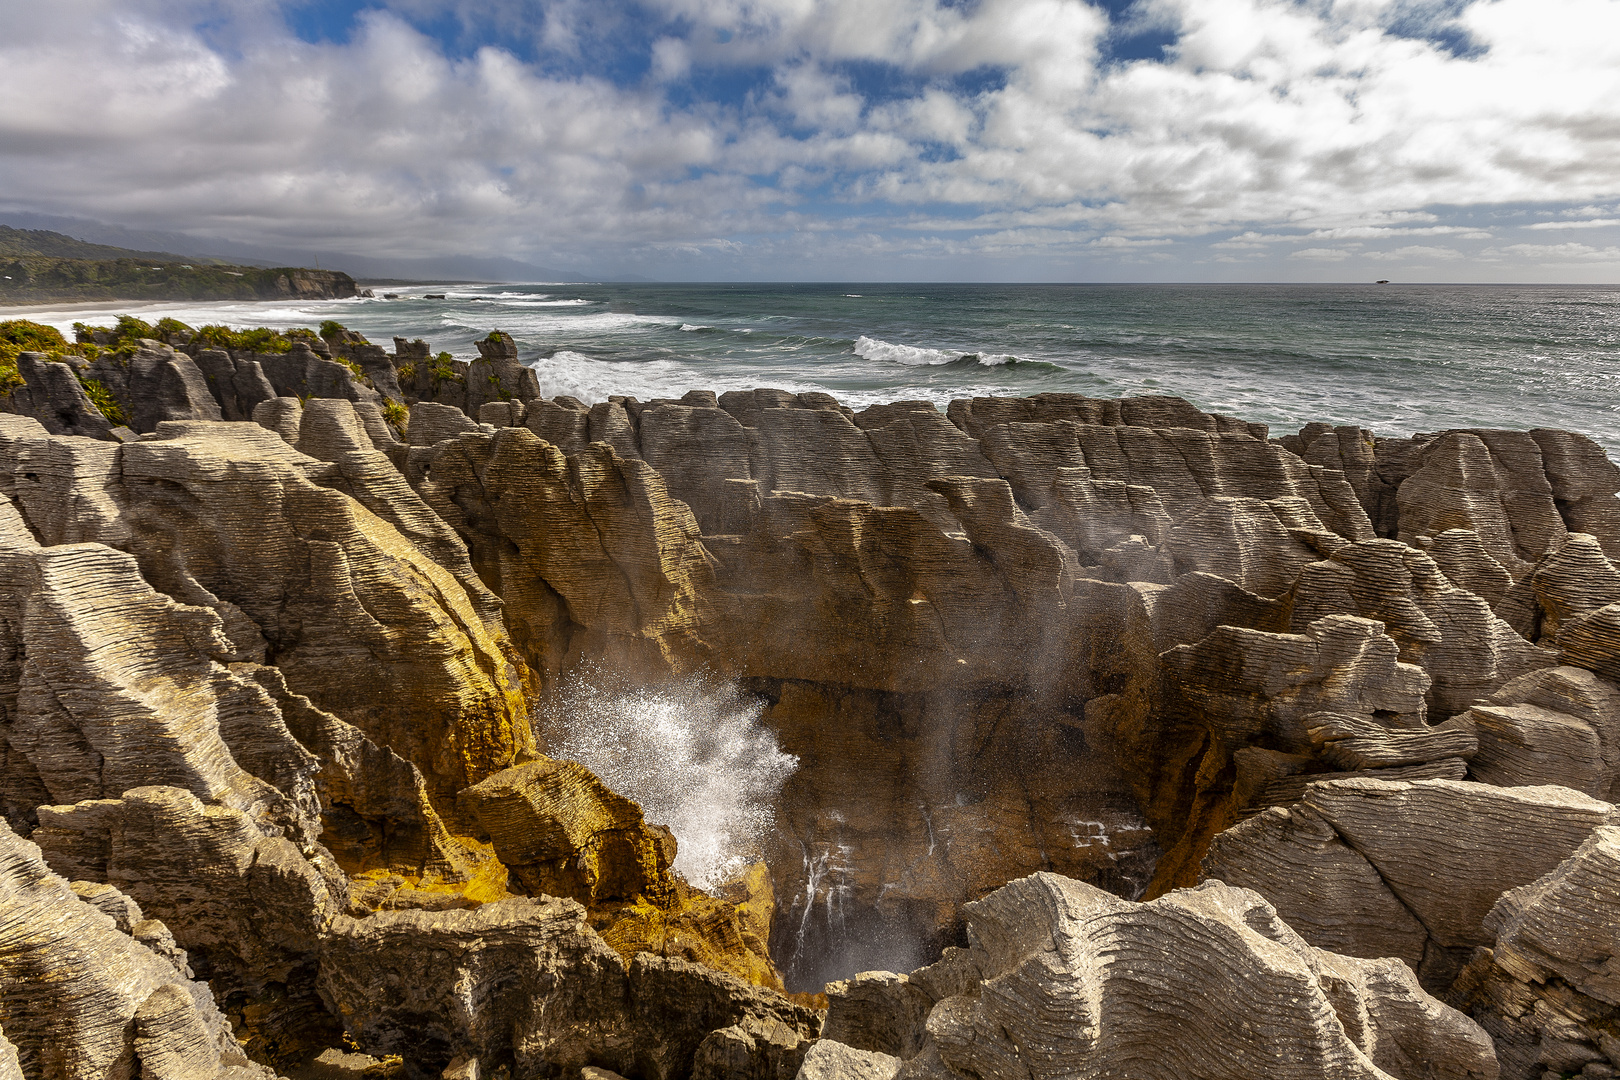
(693, 753)
(877, 349)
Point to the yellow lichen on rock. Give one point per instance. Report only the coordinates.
(696, 927)
(565, 833)
(562, 832)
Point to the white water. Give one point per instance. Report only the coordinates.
(870, 348)
(693, 754)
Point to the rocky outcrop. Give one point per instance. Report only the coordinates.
(526, 983)
(1399, 868)
(276, 658)
(82, 997)
(1547, 989)
(563, 833)
(1555, 726)
(1466, 650)
(53, 395)
(1063, 979)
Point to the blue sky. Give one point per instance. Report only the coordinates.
(1291, 140)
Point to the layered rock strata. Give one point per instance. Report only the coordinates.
(259, 652)
(1063, 979)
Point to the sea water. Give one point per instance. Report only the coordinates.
(1392, 358)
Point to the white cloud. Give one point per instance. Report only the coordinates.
(1590, 223)
(1416, 253)
(1279, 121)
(1560, 253)
(1128, 242)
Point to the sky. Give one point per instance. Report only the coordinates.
(993, 140)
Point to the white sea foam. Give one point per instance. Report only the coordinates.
(693, 753)
(589, 379)
(870, 348)
(694, 327)
(532, 302)
(909, 355)
(536, 320)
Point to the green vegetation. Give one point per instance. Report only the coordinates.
(260, 340)
(126, 335)
(331, 328)
(17, 243)
(130, 329)
(443, 370)
(36, 278)
(407, 372)
(396, 414)
(97, 392)
(36, 265)
(18, 336)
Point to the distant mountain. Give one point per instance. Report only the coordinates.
(16, 243)
(364, 267)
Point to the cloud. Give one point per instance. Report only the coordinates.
(1560, 253)
(1418, 253)
(1590, 223)
(1128, 242)
(687, 132)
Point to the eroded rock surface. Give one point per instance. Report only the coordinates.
(272, 657)
(1063, 979)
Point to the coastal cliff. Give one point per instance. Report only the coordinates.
(37, 266)
(1317, 735)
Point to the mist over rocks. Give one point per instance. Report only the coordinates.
(1051, 700)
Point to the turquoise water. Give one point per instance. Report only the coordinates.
(1394, 358)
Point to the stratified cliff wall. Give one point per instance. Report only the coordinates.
(274, 651)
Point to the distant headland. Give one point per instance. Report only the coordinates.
(38, 266)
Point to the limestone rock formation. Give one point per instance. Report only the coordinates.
(1555, 726)
(52, 394)
(522, 980)
(278, 654)
(1408, 869)
(1063, 979)
(1548, 989)
(1466, 650)
(828, 1059)
(83, 998)
(563, 833)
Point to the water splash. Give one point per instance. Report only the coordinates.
(692, 752)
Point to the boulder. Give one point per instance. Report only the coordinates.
(564, 833)
(830, 1060)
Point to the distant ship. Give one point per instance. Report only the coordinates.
(1382, 281)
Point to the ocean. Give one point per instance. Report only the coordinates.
(1392, 358)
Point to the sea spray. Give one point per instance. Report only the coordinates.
(692, 752)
